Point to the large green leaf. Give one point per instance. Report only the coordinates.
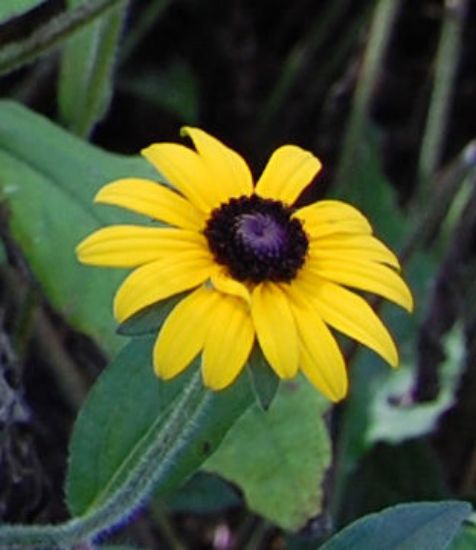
(279, 457)
(13, 8)
(422, 526)
(86, 70)
(48, 179)
(125, 412)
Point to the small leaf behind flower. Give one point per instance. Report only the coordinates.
(279, 457)
(415, 526)
(149, 319)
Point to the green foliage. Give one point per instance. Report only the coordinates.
(149, 319)
(393, 422)
(48, 179)
(392, 474)
(371, 384)
(376, 409)
(85, 79)
(279, 457)
(370, 191)
(41, 160)
(127, 413)
(278, 452)
(13, 8)
(466, 538)
(422, 526)
(48, 36)
(264, 381)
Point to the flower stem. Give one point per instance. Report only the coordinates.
(167, 440)
(51, 34)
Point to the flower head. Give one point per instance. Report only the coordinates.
(258, 271)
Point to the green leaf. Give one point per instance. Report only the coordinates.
(264, 381)
(85, 79)
(149, 319)
(124, 412)
(13, 8)
(48, 179)
(279, 457)
(422, 526)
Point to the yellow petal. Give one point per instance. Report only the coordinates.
(369, 276)
(275, 329)
(328, 217)
(228, 342)
(320, 357)
(350, 314)
(186, 171)
(183, 333)
(288, 172)
(226, 284)
(153, 200)
(352, 247)
(132, 245)
(225, 165)
(318, 369)
(159, 280)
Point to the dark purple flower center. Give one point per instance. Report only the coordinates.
(261, 233)
(256, 239)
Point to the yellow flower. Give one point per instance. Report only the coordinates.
(258, 269)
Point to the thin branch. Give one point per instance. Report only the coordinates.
(447, 59)
(384, 18)
(51, 34)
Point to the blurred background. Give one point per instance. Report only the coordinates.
(384, 93)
